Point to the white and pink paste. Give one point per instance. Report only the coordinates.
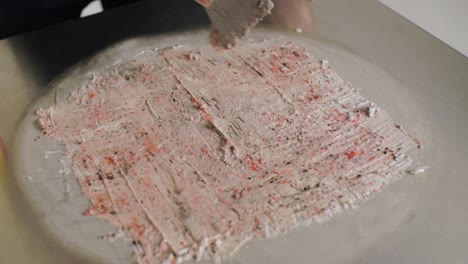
(193, 156)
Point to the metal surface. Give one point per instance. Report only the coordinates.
(432, 74)
(56, 198)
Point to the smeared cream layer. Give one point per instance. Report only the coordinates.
(193, 155)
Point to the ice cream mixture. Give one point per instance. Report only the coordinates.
(191, 154)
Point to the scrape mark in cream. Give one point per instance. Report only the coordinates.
(191, 159)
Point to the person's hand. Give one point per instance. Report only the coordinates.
(292, 14)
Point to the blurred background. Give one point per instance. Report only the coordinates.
(447, 20)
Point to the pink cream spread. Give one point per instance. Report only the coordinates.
(193, 155)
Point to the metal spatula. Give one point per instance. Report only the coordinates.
(232, 19)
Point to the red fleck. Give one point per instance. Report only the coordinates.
(137, 227)
(251, 163)
(151, 148)
(196, 103)
(87, 181)
(207, 118)
(253, 167)
(109, 160)
(352, 154)
(206, 152)
(91, 95)
(122, 201)
(147, 182)
(257, 221)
